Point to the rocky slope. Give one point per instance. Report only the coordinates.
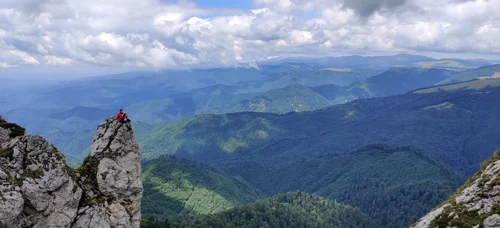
(476, 204)
(38, 188)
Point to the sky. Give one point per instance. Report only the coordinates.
(234, 4)
(162, 34)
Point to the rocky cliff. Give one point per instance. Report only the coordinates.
(476, 204)
(38, 188)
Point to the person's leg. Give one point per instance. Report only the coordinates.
(126, 117)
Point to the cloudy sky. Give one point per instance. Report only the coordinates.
(170, 34)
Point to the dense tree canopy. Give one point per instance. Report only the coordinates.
(296, 209)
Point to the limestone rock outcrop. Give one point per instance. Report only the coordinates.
(111, 178)
(38, 188)
(476, 204)
(9, 130)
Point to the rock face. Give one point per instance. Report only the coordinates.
(111, 179)
(476, 204)
(4, 133)
(38, 189)
(8, 131)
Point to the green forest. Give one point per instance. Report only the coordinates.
(436, 135)
(296, 144)
(177, 186)
(295, 209)
(452, 124)
(393, 186)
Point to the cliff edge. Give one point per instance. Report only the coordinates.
(475, 204)
(38, 188)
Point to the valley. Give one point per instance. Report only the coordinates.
(249, 114)
(151, 101)
(327, 142)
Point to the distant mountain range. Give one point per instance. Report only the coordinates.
(316, 152)
(285, 100)
(150, 101)
(330, 142)
(453, 123)
(479, 73)
(401, 60)
(297, 98)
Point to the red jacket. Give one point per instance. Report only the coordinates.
(119, 117)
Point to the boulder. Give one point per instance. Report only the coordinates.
(38, 188)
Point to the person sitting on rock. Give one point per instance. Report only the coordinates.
(122, 117)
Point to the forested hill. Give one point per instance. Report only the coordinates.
(175, 186)
(455, 123)
(295, 98)
(400, 80)
(286, 210)
(300, 98)
(481, 72)
(313, 151)
(394, 186)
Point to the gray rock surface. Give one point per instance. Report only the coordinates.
(479, 197)
(36, 174)
(94, 216)
(4, 133)
(116, 188)
(12, 201)
(38, 189)
(427, 219)
(492, 222)
(484, 193)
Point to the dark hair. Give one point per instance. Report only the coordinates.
(121, 109)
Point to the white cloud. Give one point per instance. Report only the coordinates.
(301, 37)
(13, 57)
(150, 33)
(57, 61)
